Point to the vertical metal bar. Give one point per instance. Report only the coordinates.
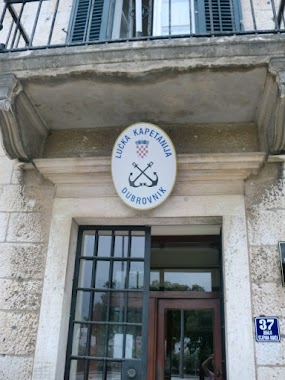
(53, 22)
(3, 16)
(111, 267)
(138, 11)
(18, 24)
(181, 355)
(146, 300)
(149, 21)
(253, 14)
(35, 23)
(281, 12)
(129, 31)
(91, 300)
(274, 14)
(190, 16)
(126, 287)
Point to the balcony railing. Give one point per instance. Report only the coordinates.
(36, 24)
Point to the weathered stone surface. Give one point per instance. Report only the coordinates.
(15, 367)
(20, 294)
(272, 373)
(18, 333)
(265, 264)
(6, 169)
(29, 227)
(266, 215)
(268, 299)
(15, 198)
(4, 217)
(270, 354)
(186, 139)
(22, 260)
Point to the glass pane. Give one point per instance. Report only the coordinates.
(136, 275)
(100, 305)
(135, 305)
(96, 369)
(154, 280)
(188, 342)
(104, 245)
(77, 370)
(119, 274)
(97, 343)
(181, 280)
(88, 242)
(79, 343)
(116, 341)
(113, 371)
(102, 274)
(82, 306)
(138, 246)
(85, 273)
(133, 342)
(117, 306)
(121, 245)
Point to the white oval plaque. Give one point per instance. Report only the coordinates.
(143, 166)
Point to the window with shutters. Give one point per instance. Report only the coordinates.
(99, 20)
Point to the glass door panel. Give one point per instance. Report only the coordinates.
(189, 333)
(189, 341)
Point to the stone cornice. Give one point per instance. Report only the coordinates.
(23, 132)
(204, 167)
(271, 114)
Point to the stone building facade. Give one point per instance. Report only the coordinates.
(220, 98)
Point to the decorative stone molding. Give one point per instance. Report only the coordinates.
(197, 174)
(271, 115)
(23, 132)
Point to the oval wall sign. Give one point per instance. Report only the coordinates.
(143, 166)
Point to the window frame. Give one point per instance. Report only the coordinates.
(145, 293)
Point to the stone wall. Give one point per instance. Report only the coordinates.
(26, 201)
(265, 200)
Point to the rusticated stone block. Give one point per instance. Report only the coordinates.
(270, 354)
(268, 299)
(20, 295)
(4, 217)
(6, 170)
(18, 333)
(272, 373)
(22, 260)
(16, 198)
(264, 264)
(14, 367)
(29, 227)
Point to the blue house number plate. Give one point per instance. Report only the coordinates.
(267, 329)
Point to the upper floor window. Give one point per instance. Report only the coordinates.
(95, 20)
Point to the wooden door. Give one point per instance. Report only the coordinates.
(183, 333)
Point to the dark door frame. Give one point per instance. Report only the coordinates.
(158, 303)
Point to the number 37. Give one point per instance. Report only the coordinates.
(266, 324)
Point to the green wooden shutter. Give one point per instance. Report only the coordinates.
(88, 22)
(218, 16)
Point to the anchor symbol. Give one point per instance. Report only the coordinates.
(143, 172)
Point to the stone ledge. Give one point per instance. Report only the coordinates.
(78, 176)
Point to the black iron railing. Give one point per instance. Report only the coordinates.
(35, 24)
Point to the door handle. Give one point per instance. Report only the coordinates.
(218, 373)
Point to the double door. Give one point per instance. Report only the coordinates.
(184, 339)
